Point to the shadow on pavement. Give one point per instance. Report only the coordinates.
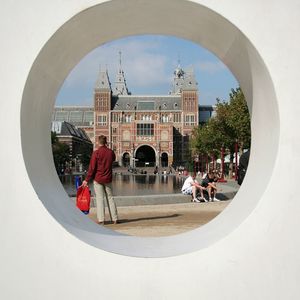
(148, 218)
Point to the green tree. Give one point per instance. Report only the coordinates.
(231, 124)
(85, 151)
(215, 134)
(61, 152)
(239, 118)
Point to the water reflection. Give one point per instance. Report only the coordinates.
(126, 185)
(134, 185)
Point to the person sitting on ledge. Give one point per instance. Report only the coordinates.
(190, 187)
(210, 183)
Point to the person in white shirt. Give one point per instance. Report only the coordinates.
(190, 187)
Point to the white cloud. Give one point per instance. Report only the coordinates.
(147, 70)
(148, 64)
(142, 66)
(210, 67)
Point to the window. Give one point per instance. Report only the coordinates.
(75, 116)
(164, 118)
(127, 118)
(115, 118)
(189, 120)
(62, 116)
(101, 120)
(101, 102)
(145, 129)
(89, 117)
(177, 118)
(146, 117)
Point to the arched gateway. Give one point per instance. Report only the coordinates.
(126, 159)
(145, 156)
(164, 160)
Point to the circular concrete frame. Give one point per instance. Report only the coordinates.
(95, 26)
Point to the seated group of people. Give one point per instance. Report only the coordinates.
(191, 187)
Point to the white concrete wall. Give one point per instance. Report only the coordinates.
(50, 251)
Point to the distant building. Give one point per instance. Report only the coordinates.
(77, 140)
(143, 130)
(205, 113)
(80, 116)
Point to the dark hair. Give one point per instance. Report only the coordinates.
(102, 140)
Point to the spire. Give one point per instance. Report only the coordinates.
(183, 80)
(103, 80)
(178, 61)
(178, 79)
(120, 60)
(190, 83)
(120, 83)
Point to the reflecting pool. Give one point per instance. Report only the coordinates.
(134, 184)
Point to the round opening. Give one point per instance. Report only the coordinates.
(147, 185)
(86, 31)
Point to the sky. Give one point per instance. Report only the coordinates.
(148, 62)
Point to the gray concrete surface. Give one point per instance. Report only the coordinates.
(226, 191)
(163, 215)
(162, 220)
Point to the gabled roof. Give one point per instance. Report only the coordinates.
(190, 83)
(68, 129)
(184, 80)
(103, 81)
(149, 102)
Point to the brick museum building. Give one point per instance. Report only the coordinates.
(143, 130)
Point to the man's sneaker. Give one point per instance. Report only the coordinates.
(210, 200)
(204, 199)
(216, 199)
(196, 200)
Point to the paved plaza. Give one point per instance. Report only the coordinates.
(162, 215)
(163, 219)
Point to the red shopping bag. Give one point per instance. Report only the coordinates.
(83, 199)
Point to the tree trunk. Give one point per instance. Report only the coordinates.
(241, 148)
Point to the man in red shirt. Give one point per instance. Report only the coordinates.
(100, 170)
